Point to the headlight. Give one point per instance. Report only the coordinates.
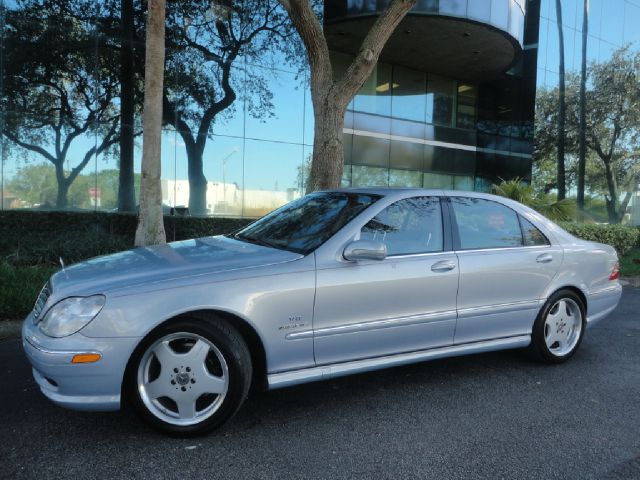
(70, 315)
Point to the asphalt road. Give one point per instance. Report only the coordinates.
(496, 415)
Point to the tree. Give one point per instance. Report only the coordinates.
(150, 229)
(562, 188)
(613, 125)
(516, 189)
(126, 191)
(205, 41)
(611, 133)
(61, 91)
(582, 142)
(330, 95)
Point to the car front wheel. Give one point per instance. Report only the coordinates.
(189, 376)
(559, 328)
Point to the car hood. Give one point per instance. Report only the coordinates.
(164, 263)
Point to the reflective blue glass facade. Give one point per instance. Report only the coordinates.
(449, 105)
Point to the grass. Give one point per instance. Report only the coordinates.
(629, 268)
(20, 287)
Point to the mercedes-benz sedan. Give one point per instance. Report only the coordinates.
(334, 283)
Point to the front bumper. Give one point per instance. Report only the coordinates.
(81, 386)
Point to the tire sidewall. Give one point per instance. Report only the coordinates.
(231, 346)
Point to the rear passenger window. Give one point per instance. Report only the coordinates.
(531, 234)
(412, 225)
(485, 224)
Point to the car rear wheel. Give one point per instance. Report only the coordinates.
(190, 376)
(559, 328)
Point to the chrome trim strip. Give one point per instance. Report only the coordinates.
(46, 351)
(423, 254)
(375, 325)
(500, 249)
(500, 308)
(295, 377)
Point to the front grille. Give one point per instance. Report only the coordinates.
(41, 301)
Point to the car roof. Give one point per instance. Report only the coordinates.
(407, 192)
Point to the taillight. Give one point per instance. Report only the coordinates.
(615, 273)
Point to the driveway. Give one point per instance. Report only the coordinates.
(498, 415)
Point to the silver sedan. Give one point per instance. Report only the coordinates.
(334, 283)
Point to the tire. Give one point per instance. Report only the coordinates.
(190, 376)
(559, 328)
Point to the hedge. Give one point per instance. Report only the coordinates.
(621, 237)
(41, 238)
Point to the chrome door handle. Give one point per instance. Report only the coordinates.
(544, 258)
(443, 266)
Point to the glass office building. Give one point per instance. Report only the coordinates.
(449, 105)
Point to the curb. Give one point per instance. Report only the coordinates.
(630, 281)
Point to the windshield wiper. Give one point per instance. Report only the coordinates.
(253, 240)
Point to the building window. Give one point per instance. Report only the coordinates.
(375, 94)
(408, 95)
(362, 176)
(466, 113)
(440, 96)
(438, 181)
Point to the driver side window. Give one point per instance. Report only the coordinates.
(411, 225)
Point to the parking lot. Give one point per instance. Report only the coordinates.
(498, 415)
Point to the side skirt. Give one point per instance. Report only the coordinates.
(325, 372)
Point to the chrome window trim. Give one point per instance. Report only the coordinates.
(499, 249)
(417, 255)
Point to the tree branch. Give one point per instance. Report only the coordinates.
(32, 148)
(371, 47)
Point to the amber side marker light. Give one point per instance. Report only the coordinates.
(86, 358)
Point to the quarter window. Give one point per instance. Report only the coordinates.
(412, 225)
(485, 224)
(531, 235)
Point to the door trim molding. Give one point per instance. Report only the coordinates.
(375, 325)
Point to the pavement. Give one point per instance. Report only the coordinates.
(498, 415)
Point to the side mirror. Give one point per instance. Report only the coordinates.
(365, 250)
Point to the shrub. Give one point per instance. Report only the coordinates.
(41, 238)
(622, 238)
(20, 287)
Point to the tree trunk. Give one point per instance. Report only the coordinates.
(62, 194)
(612, 187)
(150, 229)
(126, 189)
(582, 131)
(197, 182)
(562, 183)
(328, 153)
(331, 95)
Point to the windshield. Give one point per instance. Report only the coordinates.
(304, 224)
